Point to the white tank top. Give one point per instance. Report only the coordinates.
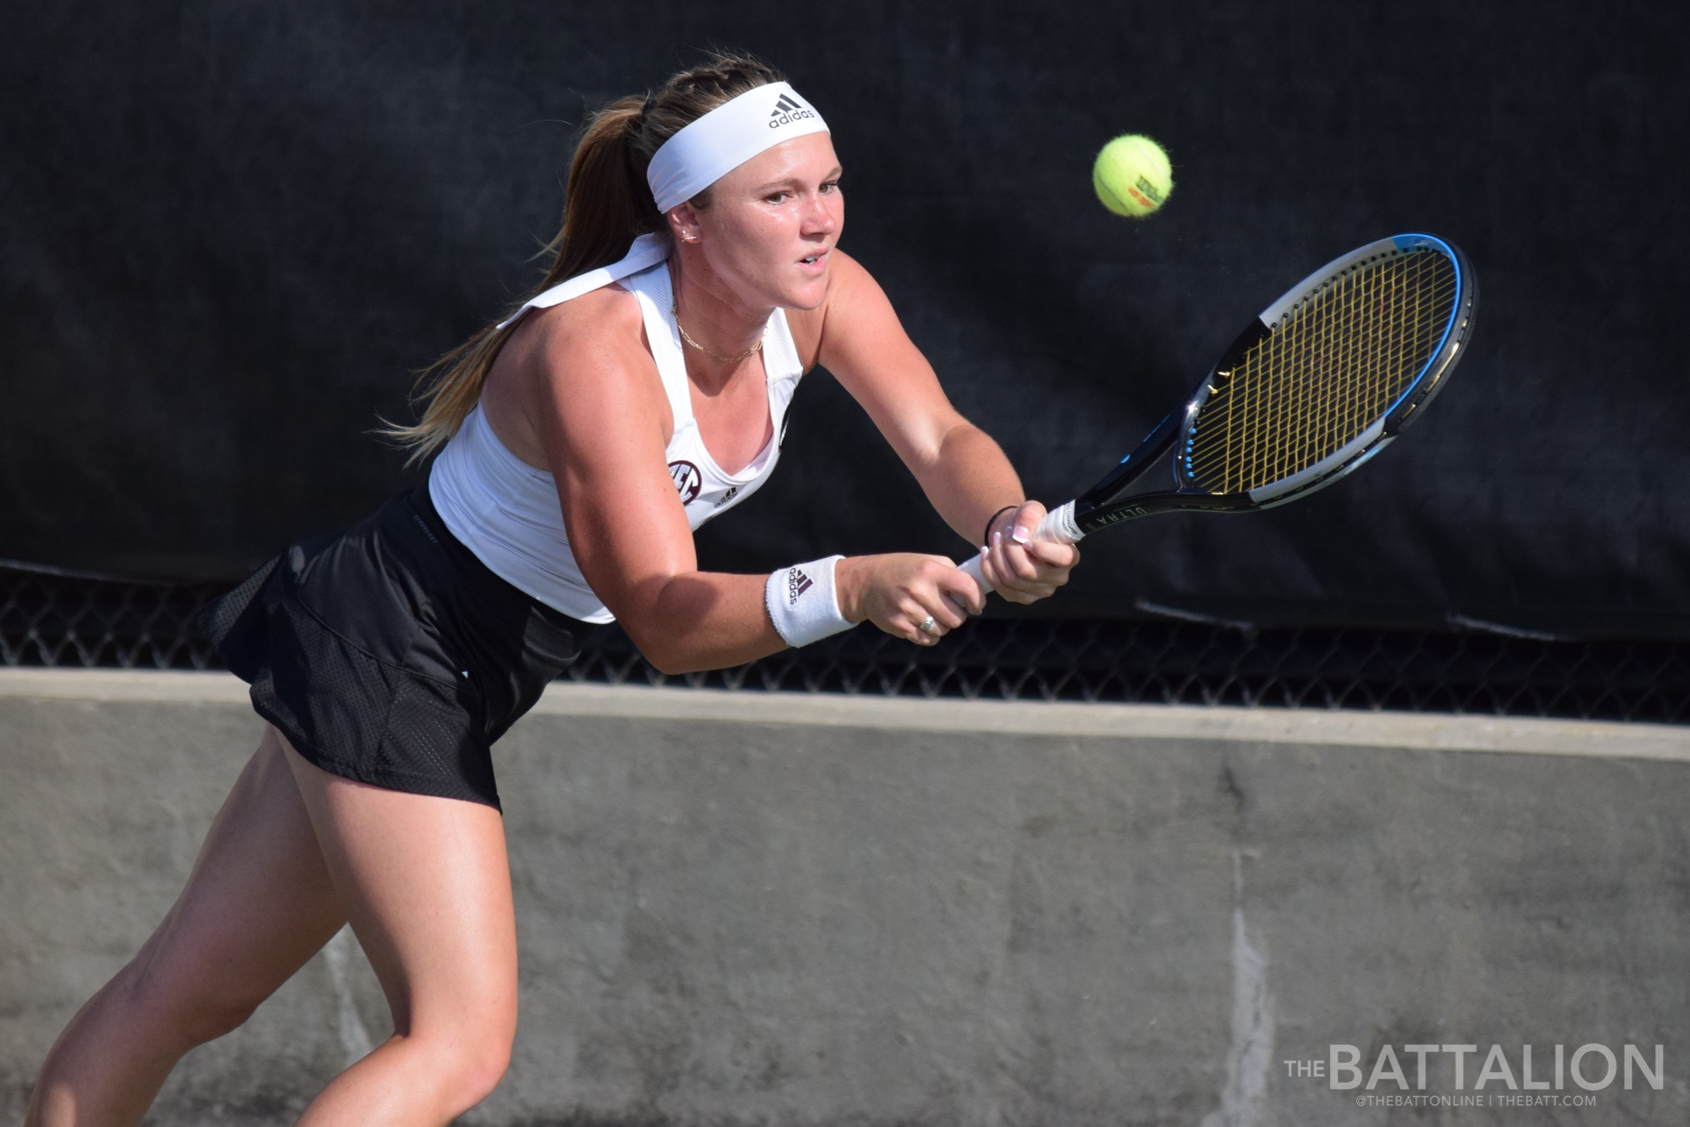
(508, 513)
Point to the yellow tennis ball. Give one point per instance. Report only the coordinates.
(1132, 175)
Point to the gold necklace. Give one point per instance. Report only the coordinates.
(675, 311)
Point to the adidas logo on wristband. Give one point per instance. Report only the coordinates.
(796, 584)
(802, 602)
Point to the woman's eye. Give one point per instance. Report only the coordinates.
(831, 186)
(778, 197)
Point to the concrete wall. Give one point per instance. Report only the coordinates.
(739, 909)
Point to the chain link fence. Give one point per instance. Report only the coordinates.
(53, 618)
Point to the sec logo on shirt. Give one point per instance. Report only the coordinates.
(687, 480)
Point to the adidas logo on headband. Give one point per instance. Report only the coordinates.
(725, 138)
(786, 111)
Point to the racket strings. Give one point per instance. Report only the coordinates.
(1333, 366)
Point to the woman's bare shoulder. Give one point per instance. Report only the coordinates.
(608, 317)
(588, 352)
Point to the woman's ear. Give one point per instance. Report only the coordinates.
(683, 223)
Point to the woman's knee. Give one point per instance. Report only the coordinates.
(177, 1007)
(467, 1060)
(485, 1068)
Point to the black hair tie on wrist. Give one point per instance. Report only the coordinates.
(986, 540)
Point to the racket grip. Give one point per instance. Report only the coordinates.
(1058, 526)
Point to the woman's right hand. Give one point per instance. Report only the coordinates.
(898, 591)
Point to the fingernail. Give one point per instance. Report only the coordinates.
(997, 538)
(1019, 536)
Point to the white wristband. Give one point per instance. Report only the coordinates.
(803, 603)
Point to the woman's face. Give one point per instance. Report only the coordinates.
(769, 232)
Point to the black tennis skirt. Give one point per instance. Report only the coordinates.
(390, 654)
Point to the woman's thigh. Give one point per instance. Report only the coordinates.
(257, 905)
(426, 884)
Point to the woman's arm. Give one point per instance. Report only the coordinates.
(602, 418)
(603, 421)
(964, 474)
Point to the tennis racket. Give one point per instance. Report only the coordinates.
(1319, 383)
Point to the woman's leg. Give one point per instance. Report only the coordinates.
(258, 904)
(293, 852)
(427, 886)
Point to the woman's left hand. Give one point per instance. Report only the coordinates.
(1019, 568)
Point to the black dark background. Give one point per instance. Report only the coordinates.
(230, 231)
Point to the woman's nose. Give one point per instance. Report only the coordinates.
(819, 217)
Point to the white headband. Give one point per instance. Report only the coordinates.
(726, 138)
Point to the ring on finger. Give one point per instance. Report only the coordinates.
(929, 626)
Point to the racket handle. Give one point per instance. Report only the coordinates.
(1058, 527)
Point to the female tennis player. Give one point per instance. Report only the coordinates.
(580, 441)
